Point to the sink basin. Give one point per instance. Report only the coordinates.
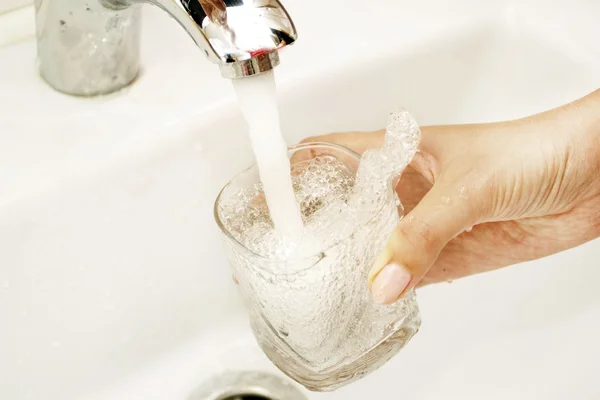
(113, 281)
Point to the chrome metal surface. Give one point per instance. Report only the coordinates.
(247, 384)
(252, 66)
(86, 49)
(89, 48)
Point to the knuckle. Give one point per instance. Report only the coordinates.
(416, 237)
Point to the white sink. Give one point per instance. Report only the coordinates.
(113, 283)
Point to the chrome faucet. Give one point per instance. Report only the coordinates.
(91, 47)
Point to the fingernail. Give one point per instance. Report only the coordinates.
(382, 260)
(390, 283)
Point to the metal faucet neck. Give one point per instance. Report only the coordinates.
(90, 48)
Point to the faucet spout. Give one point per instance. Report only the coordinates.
(241, 36)
(89, 48)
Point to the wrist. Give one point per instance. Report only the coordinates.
(591, 144)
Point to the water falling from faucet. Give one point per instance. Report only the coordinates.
(258, 101)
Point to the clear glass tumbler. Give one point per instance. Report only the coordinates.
(313, 314)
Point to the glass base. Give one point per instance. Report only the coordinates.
(336, 377)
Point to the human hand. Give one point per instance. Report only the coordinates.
(530, 187)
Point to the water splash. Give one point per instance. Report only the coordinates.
(378, 167)
(401, 142)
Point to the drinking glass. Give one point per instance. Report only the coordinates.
(312, 314)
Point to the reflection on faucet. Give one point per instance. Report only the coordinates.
(92, 47)
(216, 10)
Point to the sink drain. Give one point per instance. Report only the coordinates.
(247, 385)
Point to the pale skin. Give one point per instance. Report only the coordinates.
(529, 188)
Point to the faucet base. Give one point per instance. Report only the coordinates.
(86, 49)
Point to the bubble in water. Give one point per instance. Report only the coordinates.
(322, 186)
(378, 167)
(346, 219)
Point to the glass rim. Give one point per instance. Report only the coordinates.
(320, 254)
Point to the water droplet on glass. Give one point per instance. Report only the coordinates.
(446, 200)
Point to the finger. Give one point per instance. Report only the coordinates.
(418, 240)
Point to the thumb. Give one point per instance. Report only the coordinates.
(418, 240)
